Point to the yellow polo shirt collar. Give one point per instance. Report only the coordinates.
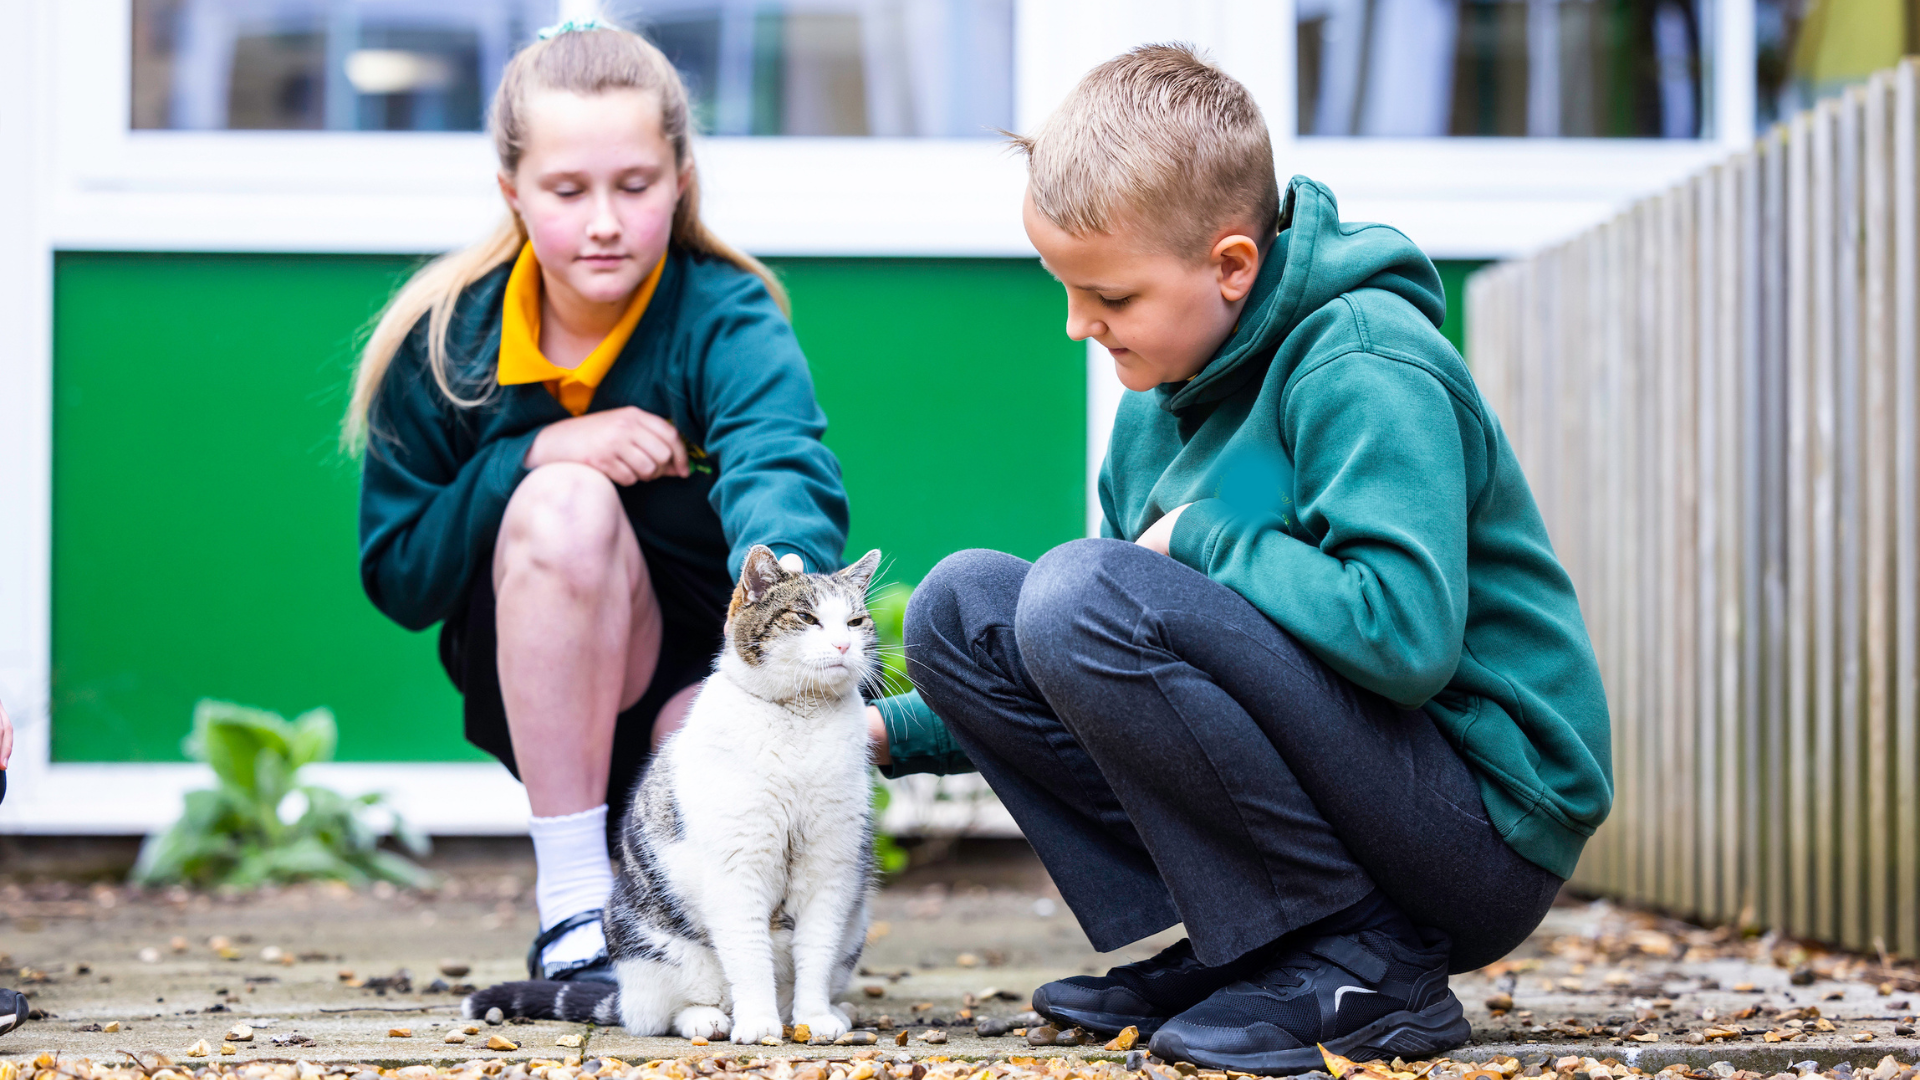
(520, 358)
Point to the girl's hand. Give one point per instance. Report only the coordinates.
(1159, 535)
(626, 444)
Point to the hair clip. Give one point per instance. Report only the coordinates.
(573, 26)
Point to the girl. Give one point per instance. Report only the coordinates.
(575, 430)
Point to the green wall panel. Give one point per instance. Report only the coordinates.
(204, 525)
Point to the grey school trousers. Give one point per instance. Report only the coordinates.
(1174, 757)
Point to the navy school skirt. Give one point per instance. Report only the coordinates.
(469, 650)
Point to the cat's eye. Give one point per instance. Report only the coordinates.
(857, 620)
(807, 618)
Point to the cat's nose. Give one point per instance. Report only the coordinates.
(843, 646)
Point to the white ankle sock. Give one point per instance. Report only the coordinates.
(574, 874)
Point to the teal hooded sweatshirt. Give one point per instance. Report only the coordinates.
(1346, 477)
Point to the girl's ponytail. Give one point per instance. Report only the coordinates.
(580, 61)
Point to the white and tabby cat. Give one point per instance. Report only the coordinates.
(745, 872)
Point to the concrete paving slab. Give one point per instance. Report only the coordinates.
(321, 963)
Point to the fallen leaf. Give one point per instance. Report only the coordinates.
(1336, 1065)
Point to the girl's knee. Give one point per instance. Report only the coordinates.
(564, 517)
(937, 601)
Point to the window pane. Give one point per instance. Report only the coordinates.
(754, 67)
(373, 65)
(1409, 68)
(1810, 49)
(839, 67)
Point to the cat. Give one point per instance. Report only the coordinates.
(746, 861)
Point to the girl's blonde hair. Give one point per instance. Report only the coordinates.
(585, 62)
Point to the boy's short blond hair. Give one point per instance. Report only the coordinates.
(1161, 140)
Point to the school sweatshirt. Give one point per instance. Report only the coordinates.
(712, 353)
(1345, 476)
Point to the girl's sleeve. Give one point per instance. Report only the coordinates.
(429, 507)
(777, 484)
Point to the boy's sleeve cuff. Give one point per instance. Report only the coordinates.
(1193, 534)
(917, 739)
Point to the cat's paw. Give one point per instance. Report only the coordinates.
(748, 1028)
(830, 1024)
(702, 1022)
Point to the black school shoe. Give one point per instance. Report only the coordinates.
(1362, 995)
(1143, 994)
(13, 1010)
(596, 968)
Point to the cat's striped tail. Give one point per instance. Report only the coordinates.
(583, 1002)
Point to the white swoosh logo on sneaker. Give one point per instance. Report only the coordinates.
(1344, 991)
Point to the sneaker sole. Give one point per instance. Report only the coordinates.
(1410, 1035)
(1097, 1022)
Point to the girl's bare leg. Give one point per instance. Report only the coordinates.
(579, 631)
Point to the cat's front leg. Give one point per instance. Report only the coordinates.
(744, 945)
(818, 933)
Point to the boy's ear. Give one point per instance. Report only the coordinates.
(860, 574)
(1236, 260)
(759, 573)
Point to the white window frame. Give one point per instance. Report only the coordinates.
(88, 183)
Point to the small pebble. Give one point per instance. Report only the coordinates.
(495, 1016)
(149, 955)
(770, 1041)
(399, 1033)
(1073, 1036)
(991, 1027)
(1042, 1035)
(933, 1035)
(802, 1033)
(454, 969)
(227, 1049)
(967, 960)
(110, 1026)
(900, 1038)
(697, 1041)
(1136, 1060)
(178, 944)
(497, 1042)
(874, 991)
(857, 1038)
(470, 1030)
(572, 1042)
(455, 1038)
(199, 1049)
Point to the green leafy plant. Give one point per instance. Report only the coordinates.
(260, 823)
(888, 856)
(887, 604)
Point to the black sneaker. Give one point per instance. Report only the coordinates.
(1364, 995)
(1143, 994)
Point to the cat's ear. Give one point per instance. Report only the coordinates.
(860, 574)
(760, 572)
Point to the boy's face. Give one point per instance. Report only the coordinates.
(1160, 315)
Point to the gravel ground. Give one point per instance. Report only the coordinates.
(335, 977)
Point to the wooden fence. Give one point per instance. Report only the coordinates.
(1716, 396)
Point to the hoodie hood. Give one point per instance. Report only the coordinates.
(1314, 260)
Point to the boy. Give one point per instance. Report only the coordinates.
(1333, 707)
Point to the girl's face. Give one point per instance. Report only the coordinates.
(596, 188)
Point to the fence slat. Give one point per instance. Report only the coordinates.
(1716, 396)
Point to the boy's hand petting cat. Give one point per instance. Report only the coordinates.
(627, 445)
(1159, 535)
